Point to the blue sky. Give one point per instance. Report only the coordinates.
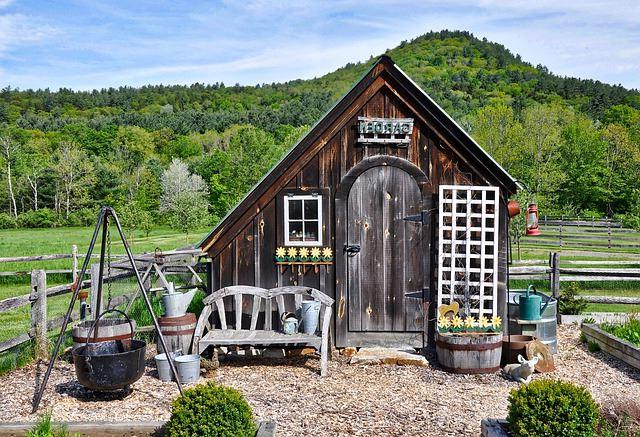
(85, 44)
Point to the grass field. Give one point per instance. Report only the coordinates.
(24, 242)
(586, 244)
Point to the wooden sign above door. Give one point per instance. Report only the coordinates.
(385, 131)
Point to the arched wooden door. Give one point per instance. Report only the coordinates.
(385, 275)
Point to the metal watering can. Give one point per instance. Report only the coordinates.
(289, 323)
(176, 303)
(530, 304)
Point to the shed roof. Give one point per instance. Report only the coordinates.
(469, 147)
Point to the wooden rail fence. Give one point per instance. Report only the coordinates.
(37, 299)
(556, 274)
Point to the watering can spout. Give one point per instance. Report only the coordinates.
(176, 303)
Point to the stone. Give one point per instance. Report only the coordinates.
(301, 351)
(349, 351)
(273, 353)
(381, 355)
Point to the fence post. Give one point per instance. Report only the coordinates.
(561, 234)
(609, 233)
(93, 299)
(554, 276)
(38, 300)
(74, 262)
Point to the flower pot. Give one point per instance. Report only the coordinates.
(469, 353)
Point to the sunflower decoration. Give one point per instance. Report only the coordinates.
(469, 322)
(496, 322)
(303, 253)
(327, 254)
(315, 254)
(281, 253)
(443, 324)
(483, 322)
(457, 322)
(292, 253)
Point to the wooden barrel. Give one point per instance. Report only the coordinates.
(178, 332)
(469, 353)
(108, 329)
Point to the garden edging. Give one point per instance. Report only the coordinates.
(621, 349)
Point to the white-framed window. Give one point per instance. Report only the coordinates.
(303, 220)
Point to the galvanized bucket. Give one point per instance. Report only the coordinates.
(188, 368)
(310, 316)
(162, 364)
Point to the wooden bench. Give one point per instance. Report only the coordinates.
(245, 305)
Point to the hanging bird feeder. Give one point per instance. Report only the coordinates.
(532, 220)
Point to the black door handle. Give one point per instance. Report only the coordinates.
(352, 249)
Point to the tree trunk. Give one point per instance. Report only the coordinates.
(34, 189)
(12, 198)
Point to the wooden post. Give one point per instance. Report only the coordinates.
(39, 313)
(554, 276)
(561, 234)
(609, 233)
(74, 262)
(93, 299)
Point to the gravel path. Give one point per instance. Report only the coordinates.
(355, 400)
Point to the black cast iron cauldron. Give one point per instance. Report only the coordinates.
(110, 365)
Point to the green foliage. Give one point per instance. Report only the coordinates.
(211, 410)
(552, 408)
(570, 301)
(573, 142)
(82, 217)
(42, 218)
(45, 428)
(132, 216)
(629, 331)
(593, 346)
(589, 321)
(7, 221)
(582, 337)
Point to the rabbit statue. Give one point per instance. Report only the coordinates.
(521, 372)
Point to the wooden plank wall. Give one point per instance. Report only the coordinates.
(248, 260)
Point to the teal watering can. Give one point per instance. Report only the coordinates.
(530, 304)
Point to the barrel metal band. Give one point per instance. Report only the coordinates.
(469, 347)
(184, 331)
(115, 337)
(470, 371)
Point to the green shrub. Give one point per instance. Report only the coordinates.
(552, 408)
(42, 218)
(211, 410)
(7, 221)
(588, 321)
(593, 346)
(82, 217)
(570, 301)
(44, 428)
(629, 331)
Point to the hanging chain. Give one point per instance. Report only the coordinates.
(108, 264)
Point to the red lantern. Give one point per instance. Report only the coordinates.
(532, 220)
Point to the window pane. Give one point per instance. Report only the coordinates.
(295, 231)
(295, 209)
(310, 209)
(311, 231)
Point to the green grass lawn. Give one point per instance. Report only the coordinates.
(23, 242)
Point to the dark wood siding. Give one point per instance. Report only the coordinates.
(255, 232)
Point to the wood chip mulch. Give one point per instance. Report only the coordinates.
(352, 400)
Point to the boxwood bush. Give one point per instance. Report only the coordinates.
(211, 410)
(552, 408)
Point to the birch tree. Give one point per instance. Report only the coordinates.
(8, 150)
(75, 173)
(184, 198)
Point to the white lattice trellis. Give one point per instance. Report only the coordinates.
(468, 248)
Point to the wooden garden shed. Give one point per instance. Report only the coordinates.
(412, 208)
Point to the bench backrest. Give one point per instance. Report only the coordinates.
(238, 301)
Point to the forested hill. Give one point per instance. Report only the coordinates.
(556, 134)
(458, 70)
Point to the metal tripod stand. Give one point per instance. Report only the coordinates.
(103, 221)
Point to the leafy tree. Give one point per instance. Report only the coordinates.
(184, 198)
(75, 173)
